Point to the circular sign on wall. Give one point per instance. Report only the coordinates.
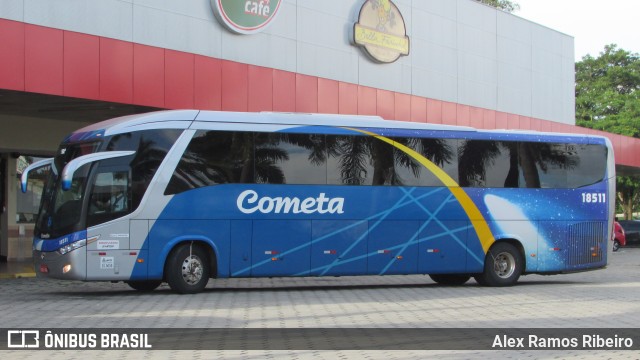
(245, 16)
(381, 31)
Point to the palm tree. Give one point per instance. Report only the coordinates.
(474, 158)
(267, 155)
(544, 156)
(367, 160)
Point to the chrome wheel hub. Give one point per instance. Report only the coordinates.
(192, 270)
(504, 265)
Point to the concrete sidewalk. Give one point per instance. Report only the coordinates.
(17, 269)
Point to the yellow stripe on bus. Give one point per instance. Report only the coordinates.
(475, 216)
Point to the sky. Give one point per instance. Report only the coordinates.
(592, 23)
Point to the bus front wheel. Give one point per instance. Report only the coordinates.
(502, 266)
(187, 269)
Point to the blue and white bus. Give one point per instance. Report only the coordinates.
(184, 196)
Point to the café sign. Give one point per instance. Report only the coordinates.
(245, 16)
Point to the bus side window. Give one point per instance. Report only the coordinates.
(349, 160)
(110, 197)
(290, 158)
(553, 163)
(364, 160)
(212, 158)
(151, 147)
(488, 164)
(591, 168)
(441, 152)
(507, 164)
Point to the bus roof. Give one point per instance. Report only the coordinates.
(184, 119)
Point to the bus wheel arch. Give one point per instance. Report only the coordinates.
(189, 265)
(504, 264)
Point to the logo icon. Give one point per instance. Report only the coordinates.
(381, 31)
(22, 339)
(249, 202)
(245, 16)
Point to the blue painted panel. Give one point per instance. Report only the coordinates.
(552, 253)
(282, 216)
(393, 248)
(285, 202)
(240, 257)
(281, 247)
(443, 246)
(339, 247)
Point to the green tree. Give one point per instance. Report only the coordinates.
(608, 99)
(505, 5)
(607, 96)
(628, 189)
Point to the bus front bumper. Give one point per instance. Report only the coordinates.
(70, 266)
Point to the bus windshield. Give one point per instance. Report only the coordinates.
(113, 189)
(60, 211)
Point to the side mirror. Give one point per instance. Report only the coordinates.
(73, 165)
(38, 164)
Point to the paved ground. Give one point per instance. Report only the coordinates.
(599, 299)
(16, 269)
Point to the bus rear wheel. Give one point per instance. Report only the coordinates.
(502, 266)
(144, 285)
(450, 279)
(187, 269)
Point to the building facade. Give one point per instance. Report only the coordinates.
(67, 63)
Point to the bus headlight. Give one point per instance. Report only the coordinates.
(70, 247)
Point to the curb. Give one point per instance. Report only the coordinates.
(18, 275)
(25, 275)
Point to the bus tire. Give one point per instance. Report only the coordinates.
(144, 285)
(450, 279)
(187, 269)
(502, 266)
